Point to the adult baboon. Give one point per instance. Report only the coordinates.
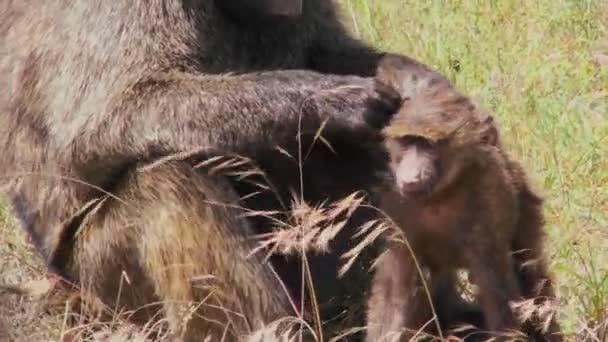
(3, 331)
(461, 202)
(93, 91)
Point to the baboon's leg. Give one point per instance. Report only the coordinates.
(178, 238)
(491, 266)
(4, 335)
(531, 267)
(398, 306)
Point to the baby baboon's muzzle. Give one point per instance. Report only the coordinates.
(416, 167)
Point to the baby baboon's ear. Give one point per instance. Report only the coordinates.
(489, 131)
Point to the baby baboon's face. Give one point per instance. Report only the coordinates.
(429, 150)
(414, 163)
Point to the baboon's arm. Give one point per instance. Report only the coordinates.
(337, 52)
(342, 54)
(229, 113)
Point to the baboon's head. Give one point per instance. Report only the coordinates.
(261, 10)
(430, 149)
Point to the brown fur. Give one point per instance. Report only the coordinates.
(92, 90)
(475, 210)
(177, 219)
(4, 336)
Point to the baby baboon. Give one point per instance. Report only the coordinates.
(461, 203)
(93, 90)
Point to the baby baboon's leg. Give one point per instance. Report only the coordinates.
(536, 283)
(178, 238)
(398, 306)
(531, 267)
(461, 318)
(491, 266)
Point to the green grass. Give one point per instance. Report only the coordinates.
(531, 63)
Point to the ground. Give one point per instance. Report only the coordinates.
(542, 67)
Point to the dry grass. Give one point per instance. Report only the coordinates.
(540, 65)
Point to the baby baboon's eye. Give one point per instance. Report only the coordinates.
(442, 141)
(410, 140)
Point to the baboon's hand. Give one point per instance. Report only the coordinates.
(382, 105)
(357, 103)
(345, 101)
(422, 90)
(408, 77)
